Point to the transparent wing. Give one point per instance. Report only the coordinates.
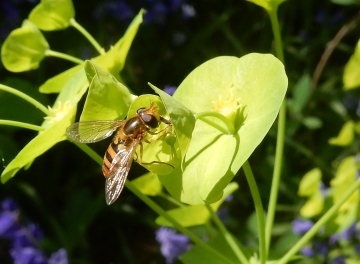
(119, 169)
(93, 131)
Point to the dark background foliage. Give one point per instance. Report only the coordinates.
(63, 190)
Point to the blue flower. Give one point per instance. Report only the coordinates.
(25, 238)
(347, 234)
(172, 245)
(188, 11)
(8, 219)
(307, 251)
(338, 260)
(170, 89)
(324, 189)
(300, 227)
(320, 248)
(59, 257)
(157, 13)
(28, 255)
(118, 10)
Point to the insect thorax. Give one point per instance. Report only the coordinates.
(133, 127)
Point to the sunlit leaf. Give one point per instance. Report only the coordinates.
(113, 60)
(24, 48)
(309, 183)
(181, 117)
(310, 187)
(62, 115)
(255, 83)
(351, 77)
(269, 5)
(52, 14)
(193, 215)
(148, 184)
(346, 135)
(107, 99)
(345, 177)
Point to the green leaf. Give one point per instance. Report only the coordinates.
(148, 184)
(182, 119)
(255, 83)
(56, 83)
(312, 122)
(52, 14)
(107, 99)
(195, 214)
(310, 187)
(62, 115)
(113, 60)
(268, 5)
(346, 135)
(351, 77)
(24, 48)
(301, 93)
(346, 2)
(309, 184)
(345, 177)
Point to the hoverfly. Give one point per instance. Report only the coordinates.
(120, 153)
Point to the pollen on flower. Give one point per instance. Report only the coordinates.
(227, 107)
(57, 113)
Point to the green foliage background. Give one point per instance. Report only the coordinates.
(63, 189)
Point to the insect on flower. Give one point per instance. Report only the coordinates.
(130, 133)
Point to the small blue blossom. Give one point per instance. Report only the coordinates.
(28, 255)
(338, 260)
(358, 109)
(118, 10)
(300, 227)
(172, 245)
(169, 89)
(157, 13)
(59, 257)
(25, 238)
(347, 234)
(321, 248)
(307, 251)
(8, 219)
(188, 11)
(324, 189)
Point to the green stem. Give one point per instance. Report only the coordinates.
(172, 200)
(21, 124)
(321, 222)
(230, 128)
(27, 98)
(155, 207)
(277, 36)
(258, 208)
(64, 56)
(227, 236)
(87, 36)
(279, 140)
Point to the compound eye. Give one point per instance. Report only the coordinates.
(150, 120)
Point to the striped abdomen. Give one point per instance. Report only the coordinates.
(113, 149)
